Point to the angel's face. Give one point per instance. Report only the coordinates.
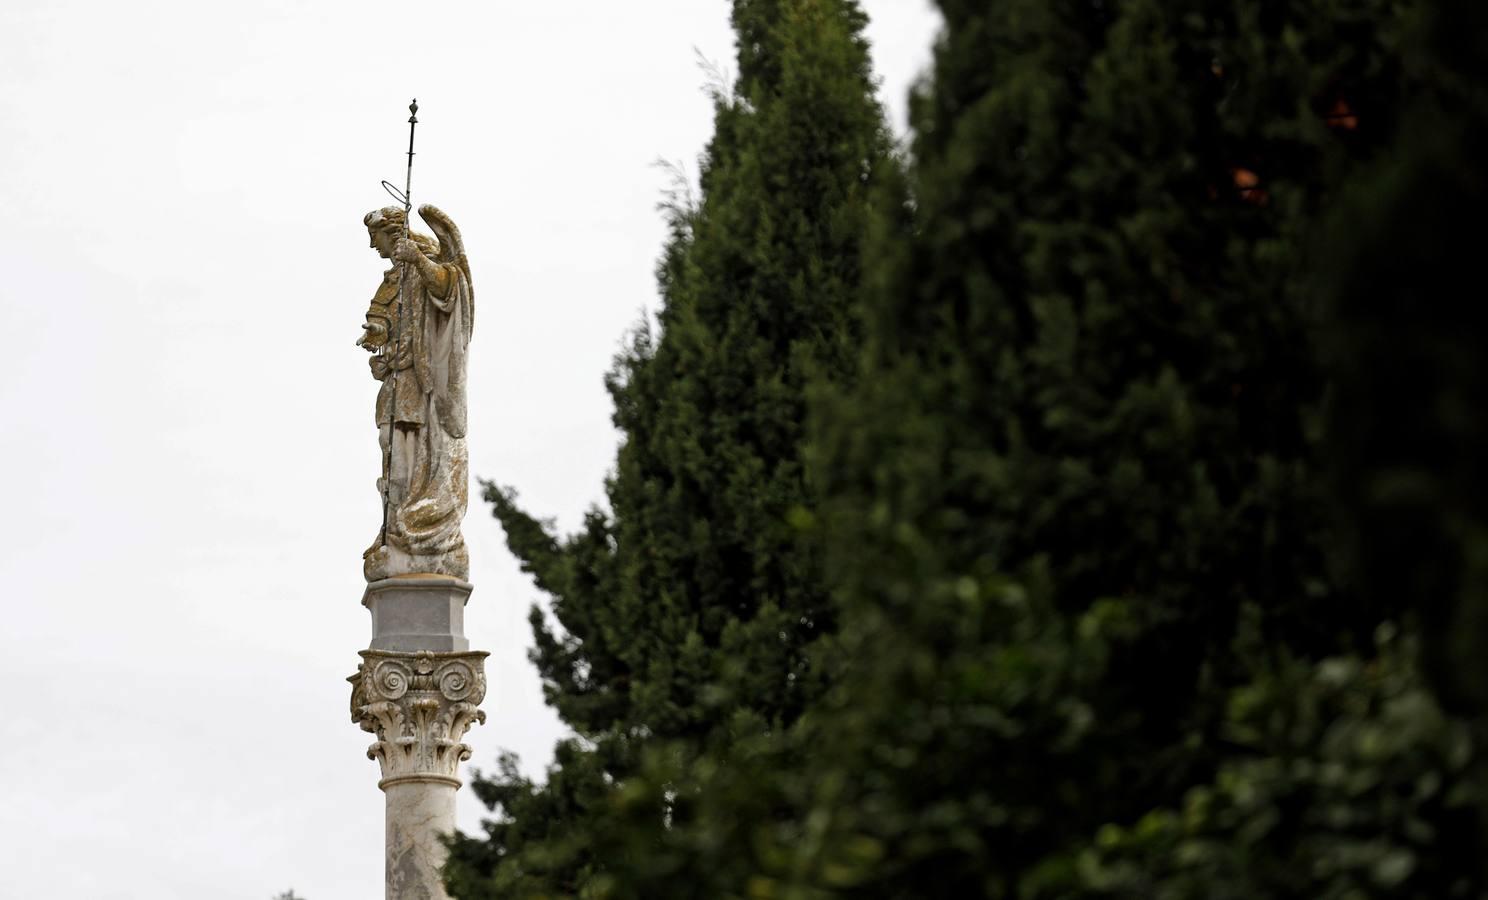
(382, 241)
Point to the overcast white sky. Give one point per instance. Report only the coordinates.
(188, 448)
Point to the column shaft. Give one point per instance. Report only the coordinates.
(418, 813)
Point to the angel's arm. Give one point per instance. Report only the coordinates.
(436, 277)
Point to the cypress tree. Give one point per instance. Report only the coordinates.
(684, 614)
(1074, 510)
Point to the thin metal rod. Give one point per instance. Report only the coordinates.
(408, 184)
(387, 453)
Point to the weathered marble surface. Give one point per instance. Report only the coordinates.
(417, 814)
(417, 328)
(419, 705)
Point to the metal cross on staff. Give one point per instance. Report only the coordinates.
(405, 196)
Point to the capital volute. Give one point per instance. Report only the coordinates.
(419, 705)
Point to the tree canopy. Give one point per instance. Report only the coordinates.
(1134, 530)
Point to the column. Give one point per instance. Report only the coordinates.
(419, 703)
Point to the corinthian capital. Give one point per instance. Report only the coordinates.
(419, 705)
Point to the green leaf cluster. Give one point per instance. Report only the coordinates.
(1344, 779)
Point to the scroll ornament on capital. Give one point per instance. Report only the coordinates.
(420, 705)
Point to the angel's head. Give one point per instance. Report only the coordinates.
(386, 226)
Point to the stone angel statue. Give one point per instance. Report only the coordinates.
(417, 329)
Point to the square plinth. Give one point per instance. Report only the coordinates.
(412, 613)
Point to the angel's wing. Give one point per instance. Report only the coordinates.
(451, 245)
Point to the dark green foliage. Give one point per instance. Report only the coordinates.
(1409, 431)
(1095, 366)
(1168, 400)
(1077, 483)
(684, 614)
(1092, 367)
(1345, 780)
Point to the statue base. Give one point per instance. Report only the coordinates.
(418, 612)
(382, 561)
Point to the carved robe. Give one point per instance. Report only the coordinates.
(421, 415)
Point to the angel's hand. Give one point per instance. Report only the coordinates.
(407, 251)
(375, 335)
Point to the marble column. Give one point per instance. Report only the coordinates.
(419, 703)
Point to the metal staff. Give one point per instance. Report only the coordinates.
(387, 453)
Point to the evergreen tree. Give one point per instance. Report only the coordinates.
(1074, 508)
(1074, 511)
(684, 615)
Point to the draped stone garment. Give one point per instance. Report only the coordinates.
(423, 395)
